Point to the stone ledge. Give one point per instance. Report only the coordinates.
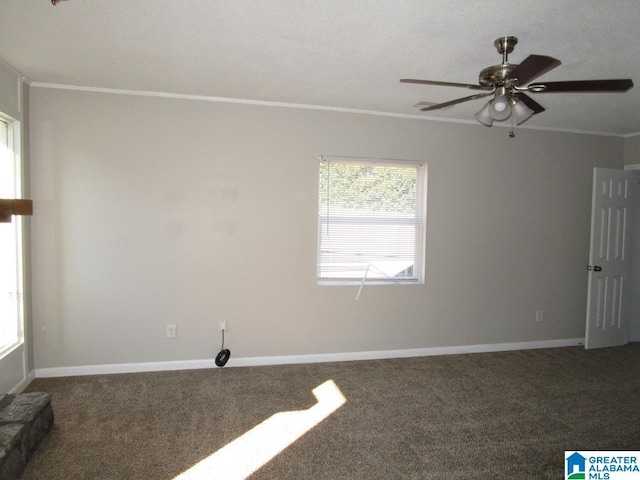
(25, 419)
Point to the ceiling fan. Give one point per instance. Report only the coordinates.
(509, 84)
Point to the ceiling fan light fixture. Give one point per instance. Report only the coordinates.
(484, 115)
(520, 112)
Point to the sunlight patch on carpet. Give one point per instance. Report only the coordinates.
(247, 453)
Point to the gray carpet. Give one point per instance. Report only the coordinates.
(497, 415)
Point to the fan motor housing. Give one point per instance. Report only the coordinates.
(496, 75)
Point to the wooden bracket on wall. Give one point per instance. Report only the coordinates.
(10, 207)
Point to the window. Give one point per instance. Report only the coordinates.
(11, 310)
(371, 221)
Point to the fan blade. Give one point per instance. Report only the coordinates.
(532, 67)
(444, 84)
(530, 102)
(620, 85)
(456, 101)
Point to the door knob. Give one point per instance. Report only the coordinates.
(597, 268)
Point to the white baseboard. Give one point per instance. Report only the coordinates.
(123, 368)
(19, 388)
(297, 359)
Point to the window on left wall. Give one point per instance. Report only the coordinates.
(11, 259)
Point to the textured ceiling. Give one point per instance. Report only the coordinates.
(331, 53)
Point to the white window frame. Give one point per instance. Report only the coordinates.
(368, 272)
(15, 297)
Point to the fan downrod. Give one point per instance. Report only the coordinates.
(498, 74)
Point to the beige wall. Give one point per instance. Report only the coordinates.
(10, 91)
(632, 150)
(155, 211)
(632, 157)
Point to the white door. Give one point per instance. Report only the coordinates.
(610, 258)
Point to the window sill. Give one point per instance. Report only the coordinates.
(10, 348)
(368, 283)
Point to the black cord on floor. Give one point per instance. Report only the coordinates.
(223, 357)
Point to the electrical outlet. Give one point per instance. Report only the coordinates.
(539, 316)
(172, 331)
(223, 324)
